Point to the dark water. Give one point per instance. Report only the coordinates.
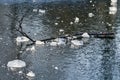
(98, 59)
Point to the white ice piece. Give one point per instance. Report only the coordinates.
(22, 39)
(114, 1)
(77, 42)
(56, 68)
(31, 48)
(16, 64)
(42, 11)
(77, 20)
(85, 35)
(56, 23)
(35, 10)
(30, 74)
(60, 41)
(71, 23)
(53, 43)
(112, 10)
(90, 14)
(39, 43)
(61, 30)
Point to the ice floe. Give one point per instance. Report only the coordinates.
(16, 64)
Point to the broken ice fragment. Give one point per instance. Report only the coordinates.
(56, 24)
(90, 14)
(22, 39)
(41, 11)
(77, 42)
(16, 64)
(56, 68)
(35, 10)
(30, 74)
(53, 43)
(61, 30)
(39, 43)
(76, 20)
(85, 35)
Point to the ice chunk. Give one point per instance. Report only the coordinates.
(112, 10)
(61, 41)
(56, 23)
(61, 30)
(77, 42)
(30, 74)
(90, 14)
(77, 20)
(56, 68)
(41, 11)
(31, 48)
(71, 23)
(39, 43)
(16, 64)
(35, 10)
(53, 43)
(22, 39)
(114, 1)
(85, 35)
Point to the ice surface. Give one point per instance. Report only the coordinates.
(77, 42)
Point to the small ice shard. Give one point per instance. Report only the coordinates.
(56, 23)
(20, 72)
(39, 43)
(22, 39)
(71, 23)
(30, 74)
(77, 42)
(31, 48)
(35, 10)
(53, 43)
(86, 35)
(77, 20)
(56, 68)
(112, 10)
(90, 14)
(41, 11)
(16, 64)
(61, 30)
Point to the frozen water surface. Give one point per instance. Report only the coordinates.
(96, 59)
